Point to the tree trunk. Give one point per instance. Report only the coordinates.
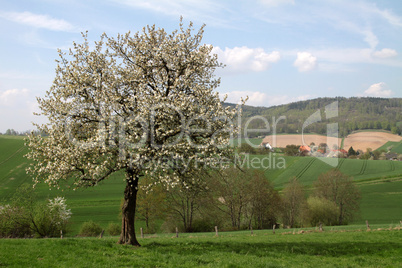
(127, 235)
(340, 213)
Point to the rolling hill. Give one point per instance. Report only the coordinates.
(379, 181)
(392, 146)
(352, 114)
(359, 140)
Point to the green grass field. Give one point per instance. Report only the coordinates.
(253, 141)
(286, 248)
(396, 147)
(380, 183)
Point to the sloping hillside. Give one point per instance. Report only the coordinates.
(359, 140)
(101, 204)
(373, 140)
(353, 114)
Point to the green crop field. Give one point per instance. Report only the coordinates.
(381, 199)
(251, 141)
(12, 164)
(396, 147)
(379, 181)
(287, 248)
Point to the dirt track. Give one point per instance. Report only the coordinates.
(360, 140)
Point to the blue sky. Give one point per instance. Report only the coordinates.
(275, 51)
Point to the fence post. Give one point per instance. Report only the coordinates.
(251, 228)
(177, 232)
(368, 226)
(142, 233)
(216, 230)
(101, 235)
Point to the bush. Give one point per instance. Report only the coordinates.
(90, 228)
(292, 150)
(203, 225)
(113, 229)
(321, 210)
(13, 224)
(51, 218)
(43, 222)
(26, 217)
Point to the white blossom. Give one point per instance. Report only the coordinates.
(142, 103)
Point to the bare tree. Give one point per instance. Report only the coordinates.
(340, 190)
(265, 201)
(293, 203)
(151, 203)
(231, 190)
(186, 199)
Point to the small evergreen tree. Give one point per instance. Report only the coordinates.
(351, 151)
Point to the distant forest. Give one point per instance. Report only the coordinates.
(353, 114)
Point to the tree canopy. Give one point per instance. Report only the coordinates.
(143, 103)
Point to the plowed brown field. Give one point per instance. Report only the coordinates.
(359, 140)
(373, 140)
(283, 140)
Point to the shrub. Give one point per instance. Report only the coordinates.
(52, 217)
(202, 225)
(113, 229)
(27, 217)
(43, 222)
(322, 210)
(90, 228)
(13, 224)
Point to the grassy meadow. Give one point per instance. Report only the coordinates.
(380, 182)
(287, 248)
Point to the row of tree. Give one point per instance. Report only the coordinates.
(353, 114)
(12, 132)
(240, 199)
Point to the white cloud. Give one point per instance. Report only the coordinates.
(385, 53)
(19, 106)
(242, 59)
(370, 38)
(11, 96)
(378, 90)
(305, 62)
(346, 55)
(274, 100)
(257, 98)
(38, 21)
(337, 59)
(275, 3)
(388, 15)
(360, 19)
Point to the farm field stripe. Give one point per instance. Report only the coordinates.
(340, 163)
(11, 156)
(305, 168)
(363, 167)
(392, 165)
